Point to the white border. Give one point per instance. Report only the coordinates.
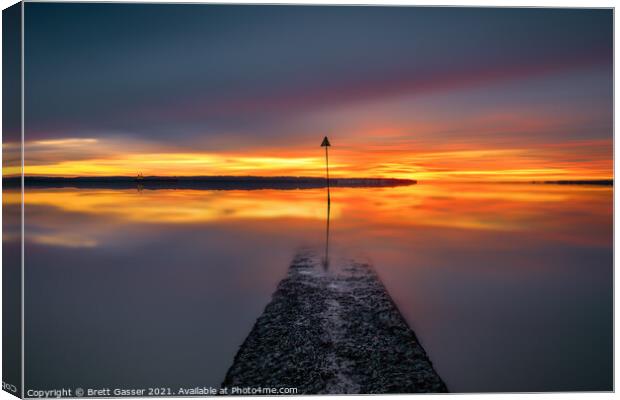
(23, 205)
(478, 3)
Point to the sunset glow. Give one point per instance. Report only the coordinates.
(502, 208)
(78, 157)
(424, 94)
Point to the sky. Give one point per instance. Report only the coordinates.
(406, 92)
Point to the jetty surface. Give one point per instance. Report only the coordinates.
(332, 331)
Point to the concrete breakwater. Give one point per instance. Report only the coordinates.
(332, 331)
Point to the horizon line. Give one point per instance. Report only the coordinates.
(139, 178)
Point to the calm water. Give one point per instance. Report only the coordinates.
(508, 287)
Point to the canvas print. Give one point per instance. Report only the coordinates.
(213, 199)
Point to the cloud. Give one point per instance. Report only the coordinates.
(216, 71)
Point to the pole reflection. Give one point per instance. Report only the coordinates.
(326, 257)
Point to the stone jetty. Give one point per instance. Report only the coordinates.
(332, 330)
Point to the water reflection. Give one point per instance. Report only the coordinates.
(180, 206)
(325, 261)
(509, 287)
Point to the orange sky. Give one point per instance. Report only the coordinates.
(409, 93)
(586, 159)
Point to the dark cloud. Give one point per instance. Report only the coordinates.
(164, 72)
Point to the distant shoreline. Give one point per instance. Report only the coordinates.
(598, 182)
(223, 182)
(203, 182)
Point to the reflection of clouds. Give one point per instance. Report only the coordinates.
(547, 212)
(553, 212)
(62, 240)
(181, 206)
